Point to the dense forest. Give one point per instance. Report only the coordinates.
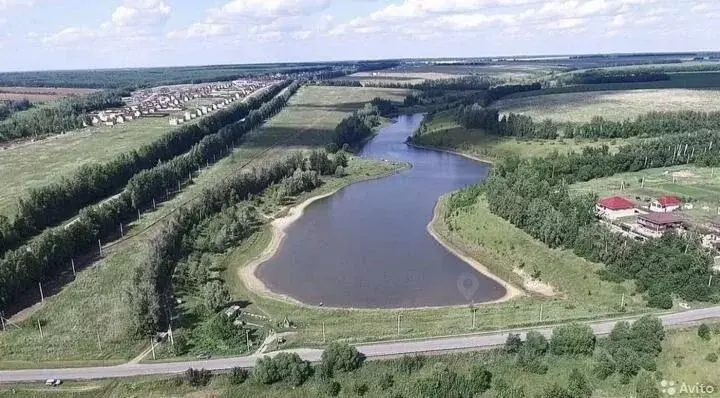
(48, 205)
(533, 195)
(52, 250)
(647, 125)
(135, 78)
(9, 107)
(58, 116)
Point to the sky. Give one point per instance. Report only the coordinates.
(82, 34)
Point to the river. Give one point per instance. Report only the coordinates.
(367, 245)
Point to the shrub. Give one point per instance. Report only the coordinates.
(197, 377)
(480, 379)
(331, 388)
(180, 345)
(704, 332)
(572, 339)
(360, 388)
(536, 344)
(340, 357)
(287, 367)
(386, 381)
(238, 375)
(513, 343)
(604, 365)
(411, 363)
(646, 387)
(711, 357)
(578, 386)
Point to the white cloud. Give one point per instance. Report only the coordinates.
(6, 5)
(141, 13)
(69, 36)
(267, 9)
(201, 29)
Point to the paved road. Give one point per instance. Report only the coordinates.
(371, 350)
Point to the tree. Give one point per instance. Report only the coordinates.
(627, 362)
(645, 386)
(180, 344)
(287, 367)
(340, 357)
(480, 379)
(536, 344)
(604, 365)
(704, 332)
(578, 386)
(572, 339)
(215, 295)
(513, 343)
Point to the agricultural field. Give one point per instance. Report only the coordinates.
(444, 132)
(40, 94)
(35, 164)
(698, 186)
(611, 105)
(682, 360)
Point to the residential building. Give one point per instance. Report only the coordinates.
(665, 204)
(615, 207)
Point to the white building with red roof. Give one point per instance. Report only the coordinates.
(615, 207)
(666, 204)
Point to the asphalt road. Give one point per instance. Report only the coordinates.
(371, 350)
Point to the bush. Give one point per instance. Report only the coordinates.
(340, 357)
(180, 345)
(339, 171)
(386, 381)
(286, 367)
(331, 388)
(197, 377)
(604, 365)
(238, 376)
(711, 357)
(513, 343)
(646, 387)
(536, 345)
(360, 388)
(578, 386)
(704, 332)
(480, 379)
(573, 340)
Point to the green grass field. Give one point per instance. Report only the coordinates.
(611, 105)
(682, 360)
(699, 186)
(33, 165)
(444, 132)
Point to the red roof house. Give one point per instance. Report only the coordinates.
(615, 203)
(669, 200)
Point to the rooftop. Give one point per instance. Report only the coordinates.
(669, 200)
(616, 203)
(662, 218)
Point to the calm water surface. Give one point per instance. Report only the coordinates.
(367, 245)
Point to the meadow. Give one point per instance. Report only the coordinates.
(699, 186)
(36, 164)
(682, 360)
(611, 105)
(40, 94)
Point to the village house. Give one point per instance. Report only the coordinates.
(187, 115)
(615, 207)
(659, 223)
(665, 204)
(120, 119)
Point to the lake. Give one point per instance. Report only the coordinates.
(367, 245)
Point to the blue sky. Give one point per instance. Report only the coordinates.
(78, 34)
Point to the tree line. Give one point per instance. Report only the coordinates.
(58, 116)
(53, 249)
(150, 291)
(650, 124)
(48, 205)
(533, 195)
(9, 107)
(596, 76)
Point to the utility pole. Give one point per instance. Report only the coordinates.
(473, 314)
(100, 247)
(247, 338)
(40, 327)
(121, 231)
(152, 347)
(323, 331)
(172, 340)
(398, 325)
(97, 334)
(710, 280)
(42, 297)
(2, 320)
(541, 312)
(154, 205)
(622, 301)
(72, 262)
(138, 215)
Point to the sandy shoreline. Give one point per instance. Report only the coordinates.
(465, 155)
(278, 227)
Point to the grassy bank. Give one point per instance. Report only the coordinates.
(682, 360)
(444, 132)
